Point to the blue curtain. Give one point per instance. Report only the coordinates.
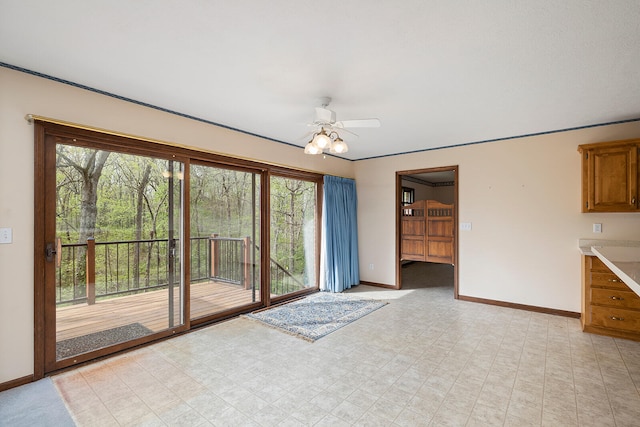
(339, 260)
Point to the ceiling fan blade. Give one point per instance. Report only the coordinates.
(361, 123)
(349, 132)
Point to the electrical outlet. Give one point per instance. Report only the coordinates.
(597, 228)
(465, 226)
(5, 235)
(370, 266)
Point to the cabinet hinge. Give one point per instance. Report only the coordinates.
(587, 204)
(587, 154)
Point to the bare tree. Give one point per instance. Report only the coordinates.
(89, 166)
(90, 169)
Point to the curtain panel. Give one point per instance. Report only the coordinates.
(339, 246)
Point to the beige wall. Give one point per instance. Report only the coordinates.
(425, 192)
(444, 194)
(522, 197)
(421, 191)
(22, 94)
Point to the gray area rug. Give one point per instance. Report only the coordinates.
(317, 315)
(34, 404)
(96, 340)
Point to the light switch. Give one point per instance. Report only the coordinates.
(597, 228)
(5, 235)
(465, 226)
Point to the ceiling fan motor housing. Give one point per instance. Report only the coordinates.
(325, 116)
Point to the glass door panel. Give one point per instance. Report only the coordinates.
(225, 239)
(118, 249)
(293, 235)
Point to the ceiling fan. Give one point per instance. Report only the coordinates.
(327, 137)
(326, 117)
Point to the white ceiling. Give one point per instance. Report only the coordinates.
(435, 72)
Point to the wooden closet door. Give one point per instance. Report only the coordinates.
(413, 238)
(440, 233)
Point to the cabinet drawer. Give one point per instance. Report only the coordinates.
(615, 298)
(608, 280)
(615, 318)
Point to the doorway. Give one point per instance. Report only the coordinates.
(423, 188)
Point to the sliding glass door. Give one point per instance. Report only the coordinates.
(136, 241)
(294, 235)
(225, 239)
(113, 250)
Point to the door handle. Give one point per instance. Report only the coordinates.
(172, 248)
(49, 252)
(54, 249)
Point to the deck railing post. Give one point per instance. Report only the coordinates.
(91, 271)
(215, 255)
(246, 259)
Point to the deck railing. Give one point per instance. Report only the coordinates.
(94, 270)
(282, 282)
(231, 260)
(105, 269)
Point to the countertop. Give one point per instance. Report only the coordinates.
(624, 261)
(584, 245)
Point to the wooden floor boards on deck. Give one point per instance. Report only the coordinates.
(149, 309)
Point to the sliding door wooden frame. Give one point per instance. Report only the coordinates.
(38, 254)
(94, 138)
(45, 141)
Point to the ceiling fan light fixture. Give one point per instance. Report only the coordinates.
(322, 140)
(339, 146)
(326, 137)
(311, 148)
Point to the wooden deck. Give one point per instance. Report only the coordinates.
(150, 309)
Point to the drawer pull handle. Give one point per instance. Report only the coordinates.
(617, 318)
(614, 280)
(616, 298)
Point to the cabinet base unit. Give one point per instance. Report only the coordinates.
(609, 306)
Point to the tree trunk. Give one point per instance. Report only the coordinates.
(90, 170)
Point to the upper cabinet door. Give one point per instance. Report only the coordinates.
(610, 177)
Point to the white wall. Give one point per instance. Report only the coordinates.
(22, 94)
(522, 197)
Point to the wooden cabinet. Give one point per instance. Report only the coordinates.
(609, 307)
(610, 176)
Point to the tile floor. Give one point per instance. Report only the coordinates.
(425, 359)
